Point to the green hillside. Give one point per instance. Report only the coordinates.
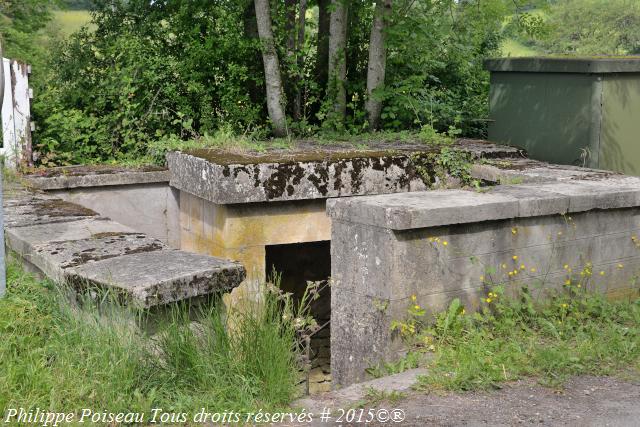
(69, 21)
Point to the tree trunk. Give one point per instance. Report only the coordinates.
(273, 80)
(297, 105)
(322, 58)
(290, 26)
(338, 61)
(377, 62)
(250, 25)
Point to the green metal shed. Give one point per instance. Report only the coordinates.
(581, 111)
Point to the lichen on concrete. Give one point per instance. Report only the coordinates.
(315, 172)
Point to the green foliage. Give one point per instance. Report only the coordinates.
(78, 4)
(435, 52)
(20, 22)
(60, 357)
(148, 70)
(179, 70)
(441, 166)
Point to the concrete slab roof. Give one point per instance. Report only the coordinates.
(585, 65)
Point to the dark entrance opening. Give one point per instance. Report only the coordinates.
(299, 263)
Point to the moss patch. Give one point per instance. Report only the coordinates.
(90, 170)
(60, 208)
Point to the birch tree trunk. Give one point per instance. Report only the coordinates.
(377, 62)
(338, 60)
(273, 79)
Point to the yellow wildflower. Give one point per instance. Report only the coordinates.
(515, 257)
(620, 265)
(522, 267)
(504, 265)
(444, 242)
(482, 278)
(565, 305)
(567, 282)
(413, 298)
(533, 269)
(488, 300)
(602, 273)
(566, 266)
(417, 307)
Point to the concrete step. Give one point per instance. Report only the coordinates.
(72, 244)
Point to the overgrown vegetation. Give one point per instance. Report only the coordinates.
(57, 356)
(524, 328)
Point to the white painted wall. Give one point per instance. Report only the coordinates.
(16, 113)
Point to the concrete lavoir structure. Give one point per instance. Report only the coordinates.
(269, 210)
(72, 244)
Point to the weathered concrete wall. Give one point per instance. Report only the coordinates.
(242, 231)
(151, 208)
(387, 248)
(137, 197)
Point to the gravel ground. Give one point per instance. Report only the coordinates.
(584, 401)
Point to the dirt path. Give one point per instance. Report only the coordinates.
(584, 401)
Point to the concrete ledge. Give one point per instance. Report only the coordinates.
(600, 65)
(71, 244)
(446, 207)
(519, 171)
(313, 172)
(96, 176)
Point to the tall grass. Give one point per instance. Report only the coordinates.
(568, 335)
(65, 357)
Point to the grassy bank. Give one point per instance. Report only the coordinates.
(514, 48)
(67, 22)
(57, 357)
(574, 333)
